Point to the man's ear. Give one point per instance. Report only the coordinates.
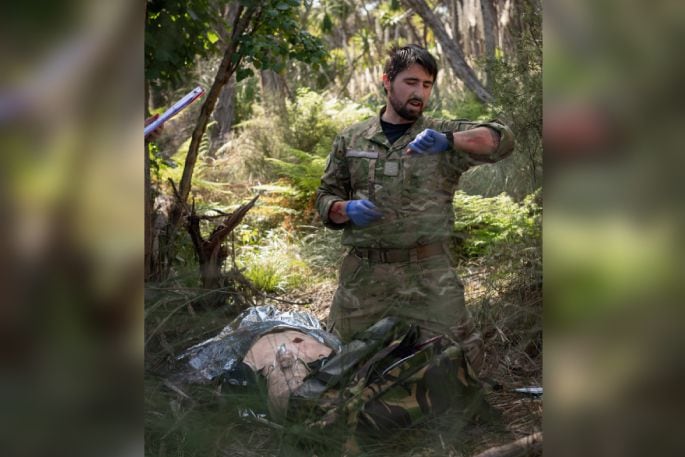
(386, 82)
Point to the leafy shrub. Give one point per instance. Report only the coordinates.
(489, 223)
(459, 106)
(308, 128)
(302, 169)
(265, 149)
(273, 263)
(314, 120)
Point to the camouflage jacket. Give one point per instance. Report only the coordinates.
(413, 191)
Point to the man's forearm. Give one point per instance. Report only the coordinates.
(480, 141)
(337, 213)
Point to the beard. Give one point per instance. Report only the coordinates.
(405, 110)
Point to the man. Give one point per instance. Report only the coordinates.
(389, 184)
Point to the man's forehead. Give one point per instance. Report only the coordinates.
(416, 71)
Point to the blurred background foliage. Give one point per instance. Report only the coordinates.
(312, 71)
(299, 72)
(71, 97)
(280, 123)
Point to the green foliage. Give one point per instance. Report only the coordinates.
(246, 94)
(326, 24)
(459, 106)
(272, 261)
(516, 80)
(311, 126)
(280, 261)
(173, 167)
(304, 170)
(488, 224)
(157, 163)
(176, 32)
(277, 38)
(314, 122)
(288, 154)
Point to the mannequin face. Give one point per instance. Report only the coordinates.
(407, 94)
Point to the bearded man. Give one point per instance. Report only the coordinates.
(389, 185)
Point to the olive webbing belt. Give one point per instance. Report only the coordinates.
(380, 255)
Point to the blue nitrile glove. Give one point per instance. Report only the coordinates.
(362, 212)
(429, 142)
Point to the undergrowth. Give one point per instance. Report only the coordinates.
(274, 264)
(503, 280)
(281, 248)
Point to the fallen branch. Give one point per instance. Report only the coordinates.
(526, 446)
(209, 252)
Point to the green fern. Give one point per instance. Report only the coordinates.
(302, 169)
(489, 223)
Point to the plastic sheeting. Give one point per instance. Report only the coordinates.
(222, 355)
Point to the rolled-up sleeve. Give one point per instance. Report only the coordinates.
(335, 183)
(504, 149)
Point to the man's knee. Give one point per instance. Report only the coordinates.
(471, 341)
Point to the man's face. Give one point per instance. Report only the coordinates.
(408, 93)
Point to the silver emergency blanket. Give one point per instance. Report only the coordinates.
(221, 355)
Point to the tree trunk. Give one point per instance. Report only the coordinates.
(273, 92)
(506, 41)
(223, 74)
(454, 15)
(489, 27)
(490, 34)
(148, 198)
(413, 32)
(452, 51)
(224, 114)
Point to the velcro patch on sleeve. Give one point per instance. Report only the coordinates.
(362, 154)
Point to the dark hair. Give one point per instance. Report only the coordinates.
(406, 56)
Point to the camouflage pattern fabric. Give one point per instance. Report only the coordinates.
(427, 292)
(425, 385)
(415, 194)
(413, 191)
(401, 385)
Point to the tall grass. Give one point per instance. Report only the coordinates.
(275, 264)
(282, 248)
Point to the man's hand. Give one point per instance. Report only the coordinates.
(362, 212)
(154, 135)
(429, 142)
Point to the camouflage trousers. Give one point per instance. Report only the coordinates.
(426, 292)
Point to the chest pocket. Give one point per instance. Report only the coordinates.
(362, 166)
(424, 173)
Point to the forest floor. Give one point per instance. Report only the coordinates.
(507, 366)
(205, 421)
